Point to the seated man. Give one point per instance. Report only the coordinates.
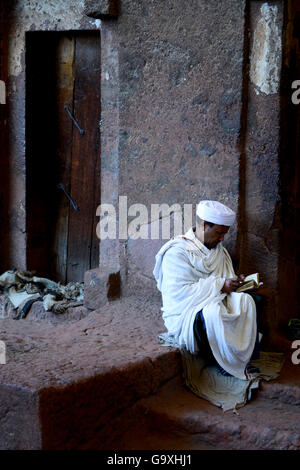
(201, 309)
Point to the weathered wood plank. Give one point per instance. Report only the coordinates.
(85, 156)
(64, 97)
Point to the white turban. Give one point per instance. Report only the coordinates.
(215, 212)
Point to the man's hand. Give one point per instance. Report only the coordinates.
(231, 285)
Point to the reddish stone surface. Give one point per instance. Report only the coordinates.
(69, 380)
(19, 417)
(190, 422)
(98, 383)
(287, 388)
(180, 122)
(180, 106)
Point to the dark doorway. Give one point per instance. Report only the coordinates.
(62, 162)
(289, 213)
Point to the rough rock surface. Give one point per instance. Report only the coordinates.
(175, 415)
(105, 382)
(113, 336)
(101, 8)
(83, 372)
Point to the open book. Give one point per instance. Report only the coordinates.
(250, 282)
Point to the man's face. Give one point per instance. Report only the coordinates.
(214, 235)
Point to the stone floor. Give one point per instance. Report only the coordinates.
(177, 418)
(63, 381)
(101, 380)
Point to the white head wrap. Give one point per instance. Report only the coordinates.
(215, 212)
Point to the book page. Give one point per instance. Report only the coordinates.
(250, 282)
(254, 277)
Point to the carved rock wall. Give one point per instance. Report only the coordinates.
(191, 110)
(181, 76)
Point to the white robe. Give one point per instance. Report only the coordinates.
(190, 278)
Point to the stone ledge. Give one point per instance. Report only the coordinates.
(62, 384)
(19, 417)
(81, 385)
(175, 411)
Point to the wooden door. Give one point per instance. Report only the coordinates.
(61, 211)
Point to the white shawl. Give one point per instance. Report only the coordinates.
(190, 278)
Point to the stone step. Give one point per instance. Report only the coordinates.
(174, 418)
(63, 383)
(287, 387)
(184, 421)
(99, 382)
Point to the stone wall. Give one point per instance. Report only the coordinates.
(199, 117)
(259, 175)
(181, 79)
(4, 117)
(191, 96)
